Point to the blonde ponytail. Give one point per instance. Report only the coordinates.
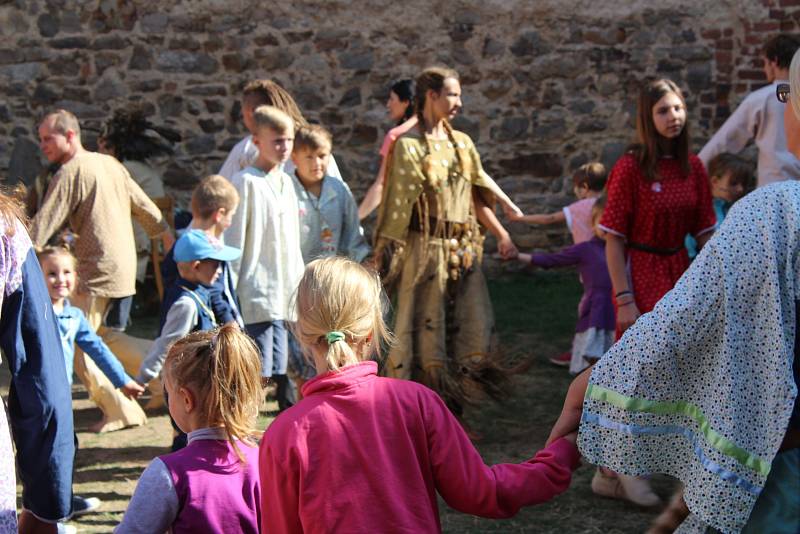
(340, 306)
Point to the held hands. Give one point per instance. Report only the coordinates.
(132, 390)
(507, 248)
(566, 425)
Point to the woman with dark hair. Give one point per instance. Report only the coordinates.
(436, 195)
(657, 194)
(133, 140)
(400, 106)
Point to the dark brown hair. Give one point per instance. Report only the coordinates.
(592, 175)
(740, 169)
(781, 49)
(268, 93)
(650, 144)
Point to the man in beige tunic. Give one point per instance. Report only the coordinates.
(95, 194)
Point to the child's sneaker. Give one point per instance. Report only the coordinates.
(81, 505)
(562, 360)
(63, 528)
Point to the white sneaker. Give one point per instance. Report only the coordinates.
(63, 528)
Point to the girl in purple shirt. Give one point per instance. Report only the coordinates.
(594, 333)
(213, 388)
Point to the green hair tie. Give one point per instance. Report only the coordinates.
(334, 336)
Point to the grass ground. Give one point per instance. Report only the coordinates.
(535, 316)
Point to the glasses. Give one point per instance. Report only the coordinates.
(782, 92)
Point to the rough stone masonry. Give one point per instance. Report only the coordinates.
(548, 85)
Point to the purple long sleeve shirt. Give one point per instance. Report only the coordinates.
(596, 308)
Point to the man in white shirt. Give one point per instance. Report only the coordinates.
(760, 118)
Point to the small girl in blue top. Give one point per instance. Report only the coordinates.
(58, 265)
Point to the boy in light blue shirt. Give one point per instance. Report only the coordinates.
(329, 223)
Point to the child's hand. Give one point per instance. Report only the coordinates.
(522, 257)
(132, 390)
(507, 248)
(572, 437)
(570, 417)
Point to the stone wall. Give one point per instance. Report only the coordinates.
(548, 84)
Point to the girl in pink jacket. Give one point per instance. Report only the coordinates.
(363, 453)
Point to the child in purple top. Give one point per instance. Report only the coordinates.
(594, 333)
(213, 387)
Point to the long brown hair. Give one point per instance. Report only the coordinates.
(650, 145)
(223, 369)
(432, 79)
(269, 93)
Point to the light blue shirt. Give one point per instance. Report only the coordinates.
(329, 224)
(721, 208)
(75, 329)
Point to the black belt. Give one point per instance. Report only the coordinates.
(655, 250)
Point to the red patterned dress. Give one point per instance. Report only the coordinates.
(654, 218)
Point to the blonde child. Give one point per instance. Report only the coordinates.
(382, 441)
(59, 268)
(214, 202)
(594, 333)
(213, 390)
(267, 230)
(587, 184)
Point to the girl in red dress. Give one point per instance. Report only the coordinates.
(657, 193)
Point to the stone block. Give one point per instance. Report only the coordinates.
(48, 25)
(74, 41)
(470, 127)
(211, 125)
(510, 129)
(359, 61)
(611, 152)
(154, 22)
(363, 134)
(492, 48)
(26, 162)
(141, 58)
(535, 164)
(351, 98)
(21, 72)
(82, 110)
(274, 58)
(170, 105)
(64, 66)
(214, 106)
(185, 61)
(530, 44)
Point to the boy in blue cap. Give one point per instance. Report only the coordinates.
(187, 303)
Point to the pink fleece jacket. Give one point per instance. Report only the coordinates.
(362, 453)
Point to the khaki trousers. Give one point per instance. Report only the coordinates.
(118, 410)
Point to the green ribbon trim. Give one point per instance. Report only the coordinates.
(712, 437)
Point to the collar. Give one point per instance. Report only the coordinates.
(340, 379)
(194, 286)
(326, 193)
(211, 432)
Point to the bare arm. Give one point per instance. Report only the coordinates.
(374, 194)
(702, 239)
(488, 219)
(627, 312)
(541, 218)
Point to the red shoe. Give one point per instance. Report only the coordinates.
(562, 360)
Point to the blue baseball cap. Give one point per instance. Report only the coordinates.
(197, 245)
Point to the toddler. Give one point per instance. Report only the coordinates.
(587, 184)
(594, 333)
(356, 437)
(267, 230)
(58, 265)
(213, 392)
(729, 176)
